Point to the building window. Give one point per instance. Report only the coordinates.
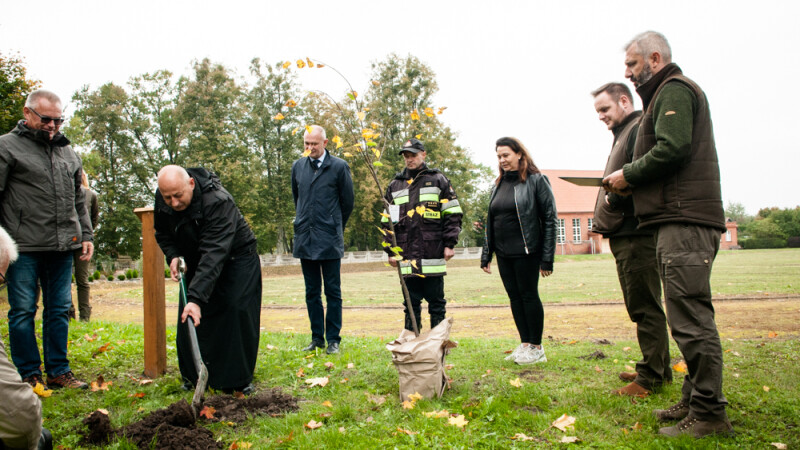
(728, 236)
(589, 225)
(562, 233)
(576, 230)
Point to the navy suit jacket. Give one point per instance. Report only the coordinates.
(323, 201)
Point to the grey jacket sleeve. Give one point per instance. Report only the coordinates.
(21, 414)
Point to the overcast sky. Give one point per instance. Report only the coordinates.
(520, 68)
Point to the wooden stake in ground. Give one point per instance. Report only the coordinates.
(155, 320)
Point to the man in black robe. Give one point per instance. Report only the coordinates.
(197, 219)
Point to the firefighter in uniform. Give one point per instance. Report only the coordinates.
(427, 220)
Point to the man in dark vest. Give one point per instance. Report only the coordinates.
(196, 218)
(674, 179)
(634, 249)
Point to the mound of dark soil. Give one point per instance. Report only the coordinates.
(272, 402)
(174, 427)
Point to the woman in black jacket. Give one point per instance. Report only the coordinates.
(521, 230)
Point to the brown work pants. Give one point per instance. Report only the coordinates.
(685, 254)
(637, 269)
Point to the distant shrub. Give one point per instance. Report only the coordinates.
(752, 243)
(129, 274)
(120, 277)
(96, 275)
(167, 274)
(135, 273)
(91, 279)
(793, 242)
(110, 278)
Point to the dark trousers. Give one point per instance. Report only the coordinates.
(432, 290)
(637, 269)
(323, 326)
(82, 283)
(685, 255)
(521, 279)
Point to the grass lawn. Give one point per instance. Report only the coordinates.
(760, 382)
(577, 278)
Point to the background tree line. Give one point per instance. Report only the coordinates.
(770, 228)
(249, 131)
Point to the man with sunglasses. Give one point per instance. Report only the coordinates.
(42, 208)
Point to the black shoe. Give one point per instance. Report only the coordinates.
(247, 390)
(46, 440)
(313, 345)
(333, 348)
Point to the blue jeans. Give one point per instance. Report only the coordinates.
(54, 270)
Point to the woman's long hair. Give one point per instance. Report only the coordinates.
(526, 164)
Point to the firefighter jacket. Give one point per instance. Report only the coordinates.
(429, 220)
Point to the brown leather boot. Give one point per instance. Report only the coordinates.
(627, 376)
(632, 389)
(698, 428)
(675, 412)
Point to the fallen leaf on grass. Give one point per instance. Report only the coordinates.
(301, 373)
(569, 439)
(313, 424)
(377, 399)
(144, 382)
(766, 388)
(408, 405)
(515, 382)
(329, 365)
(240, 444)
(564, 422)
(626, 349)
(408, 432)
(680, 367)
(629, 369)
(41, 391)
(321, 382)
(343, 380)
(414, 397)
(438, 414)
(772, 335)
(100, 384)
(597, 369)
(90, 338)
(102, 349)
(341, 430)
(207, 412)
(327, 403)
(369, 419)
(137, 395)
(310, 365)
(449, 366)
(238, 394)
(458, 421)
(350, 365)
(779, 445)
(637, 426)
(288, 438)
(522, 437)
(271, 347)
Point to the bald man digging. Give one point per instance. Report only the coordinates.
(197, 219)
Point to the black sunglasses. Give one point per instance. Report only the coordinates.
(46, 119)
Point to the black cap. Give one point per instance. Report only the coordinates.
(413, 145)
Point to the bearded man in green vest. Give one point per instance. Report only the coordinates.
(634, 249)
(675, 183)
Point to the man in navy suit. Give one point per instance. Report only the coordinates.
(323, 198)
